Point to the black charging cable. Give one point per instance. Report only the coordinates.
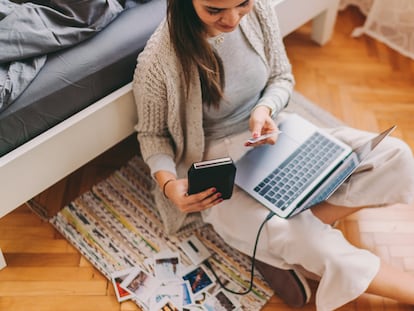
(207, 263)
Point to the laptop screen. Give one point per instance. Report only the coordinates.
(363, 150)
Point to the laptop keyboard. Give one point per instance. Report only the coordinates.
(326, 192)
(287, 182)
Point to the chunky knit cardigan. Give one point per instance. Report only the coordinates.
(169, 122)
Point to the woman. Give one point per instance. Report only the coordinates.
(212, 76)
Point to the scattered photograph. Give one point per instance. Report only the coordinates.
(165, 305)
(199, 279)
(221, 301)
(201, 298)
(171, 291)
(117, 278)
(167, 266)
(140, 284)
(195, 250)
(187, 293)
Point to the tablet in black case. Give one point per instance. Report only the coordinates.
(219, 173)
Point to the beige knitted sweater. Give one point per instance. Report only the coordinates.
(171, 124)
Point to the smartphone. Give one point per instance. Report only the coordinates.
(262, 137)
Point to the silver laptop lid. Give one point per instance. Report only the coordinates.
(329, 185)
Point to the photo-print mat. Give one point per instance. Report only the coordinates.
(116, 227)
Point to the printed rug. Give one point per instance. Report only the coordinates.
(115, 226)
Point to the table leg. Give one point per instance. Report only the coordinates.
(324, 23)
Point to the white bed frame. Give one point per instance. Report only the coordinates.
(38, 164)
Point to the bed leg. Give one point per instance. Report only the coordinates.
(2, 260)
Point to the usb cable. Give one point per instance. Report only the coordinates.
(208, 265)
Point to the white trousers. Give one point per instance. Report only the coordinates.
(345, 272)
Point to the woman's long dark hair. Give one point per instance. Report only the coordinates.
(188, 36)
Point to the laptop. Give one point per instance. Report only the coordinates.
(303, 168)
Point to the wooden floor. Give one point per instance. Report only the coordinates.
(359, 80)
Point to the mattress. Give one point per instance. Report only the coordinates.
(77, 77)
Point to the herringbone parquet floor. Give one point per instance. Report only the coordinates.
(359, 80)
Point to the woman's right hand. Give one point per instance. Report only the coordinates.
(176, 192)
(261, 123)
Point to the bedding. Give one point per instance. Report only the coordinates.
(76, 72)
(28, 31)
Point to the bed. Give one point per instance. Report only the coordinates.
(99, 110)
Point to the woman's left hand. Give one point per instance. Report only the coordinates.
(261, 123)
(176, 192)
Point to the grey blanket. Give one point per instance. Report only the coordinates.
(31, 30)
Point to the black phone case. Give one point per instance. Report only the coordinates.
(221, 176)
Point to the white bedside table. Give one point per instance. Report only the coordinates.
(294, 13)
